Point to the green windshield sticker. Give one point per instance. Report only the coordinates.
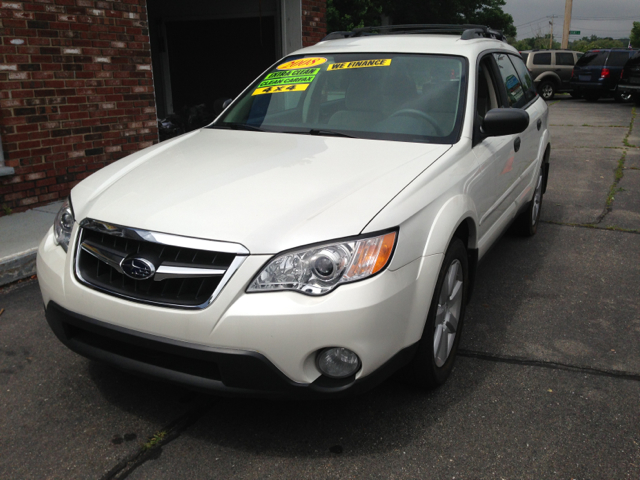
(293, 73)
(285, 81)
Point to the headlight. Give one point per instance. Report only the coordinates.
(320, 269)
(63, 224)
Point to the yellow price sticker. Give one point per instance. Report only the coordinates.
(380, 62)
(302, 63)
(299, 87)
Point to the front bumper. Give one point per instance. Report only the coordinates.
(236, 373)
(254, 344)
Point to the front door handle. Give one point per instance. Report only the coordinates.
(539, 124)
(516, 144)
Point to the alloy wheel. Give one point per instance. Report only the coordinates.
(448, 313)
(537, 200)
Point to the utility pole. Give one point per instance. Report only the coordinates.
(551, 30)
(567, 24)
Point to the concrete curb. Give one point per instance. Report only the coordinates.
(18, 266)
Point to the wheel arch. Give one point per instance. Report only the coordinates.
(548, 77)
(458, 218)
(467, 232)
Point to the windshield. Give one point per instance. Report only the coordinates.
(413, 98)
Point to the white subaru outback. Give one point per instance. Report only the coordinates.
(319, 235)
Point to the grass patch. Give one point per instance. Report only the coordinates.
(155, 441)
(594, 226)
(625, 141)
(617, 176)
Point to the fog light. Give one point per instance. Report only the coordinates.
(338, 362)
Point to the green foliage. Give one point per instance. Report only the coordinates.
(345, 15)
(154, 441)
(349, 14)
(635, 35)
(589, 43)
(582, 45)
(538, 42)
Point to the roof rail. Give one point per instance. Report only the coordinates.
(466, 31)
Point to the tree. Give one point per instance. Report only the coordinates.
(346, 14)
(540, 42)
(634, 38)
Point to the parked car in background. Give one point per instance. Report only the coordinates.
(551, 70)
(597, 73)
(629, 84)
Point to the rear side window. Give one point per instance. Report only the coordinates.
(515, 92)
(525, 78)
(542, 59)
(564, 58)
(617, 59)
(524, 57)
(592, 59)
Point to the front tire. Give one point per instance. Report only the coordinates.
(438, 346)
(547, 90)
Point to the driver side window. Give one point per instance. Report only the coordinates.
(487, 97)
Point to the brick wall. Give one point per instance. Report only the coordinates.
(314, 24)
(76, 93)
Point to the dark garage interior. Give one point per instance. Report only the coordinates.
(204, 52)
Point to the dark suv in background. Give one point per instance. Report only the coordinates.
(597, 73)
(551, 70)
(630, 81)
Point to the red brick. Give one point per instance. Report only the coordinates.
(99, 98)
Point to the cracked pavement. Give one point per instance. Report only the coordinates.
(547, 384)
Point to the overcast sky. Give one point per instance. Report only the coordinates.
(604, 18)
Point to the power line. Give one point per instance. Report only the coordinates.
(529, 23)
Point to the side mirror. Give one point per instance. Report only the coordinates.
(504, 121)
(220, 104)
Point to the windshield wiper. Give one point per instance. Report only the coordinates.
(332, 133)
(238, 126)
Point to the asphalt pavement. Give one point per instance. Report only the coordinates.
(547, 384)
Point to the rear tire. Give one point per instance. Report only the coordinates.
(438, 346)
(547, 90)
(527, 222)
(619, 97)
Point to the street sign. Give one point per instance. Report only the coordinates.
(574, 32)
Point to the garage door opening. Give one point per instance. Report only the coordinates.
(204, 53)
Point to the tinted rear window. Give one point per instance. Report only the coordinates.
(617, 59)
(635, 60)
(524, 57)
(542, 59)
(592, 59)
(564, 58)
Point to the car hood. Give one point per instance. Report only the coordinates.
(266, 191)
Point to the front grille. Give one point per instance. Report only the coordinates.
(188, 290)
